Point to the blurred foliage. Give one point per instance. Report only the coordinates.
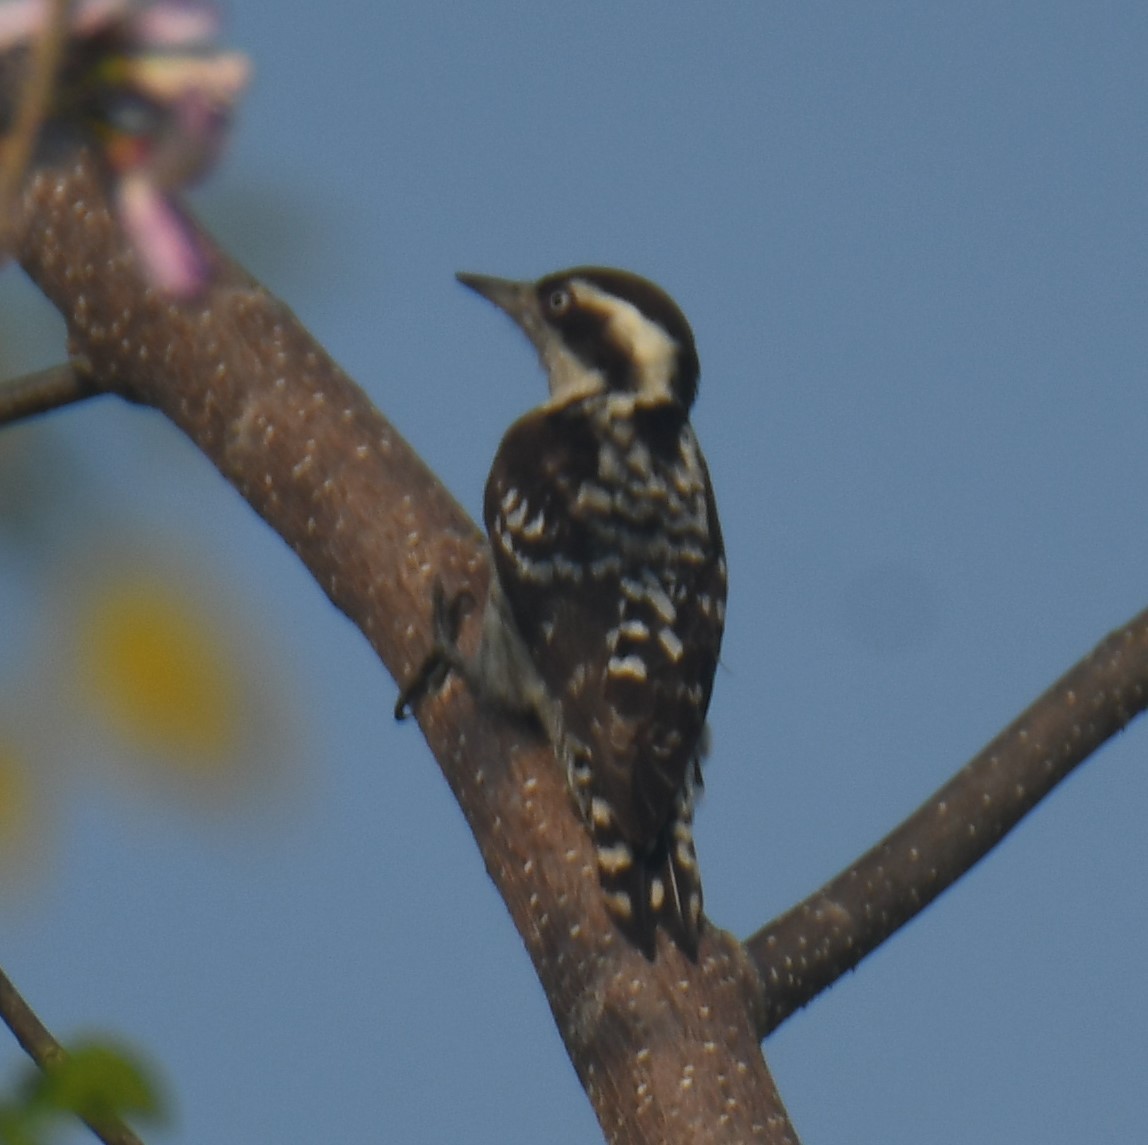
(96, 1080)
(163, 676)
(122, 655)
(160, 672)
(132, 665)
(17, 805)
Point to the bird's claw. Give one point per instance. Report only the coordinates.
(444, 657)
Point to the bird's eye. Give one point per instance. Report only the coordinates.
(558, 301)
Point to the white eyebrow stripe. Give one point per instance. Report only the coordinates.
(653, 351)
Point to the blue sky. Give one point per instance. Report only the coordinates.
(911, 241)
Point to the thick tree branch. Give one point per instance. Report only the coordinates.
(667, 1051)
(811, 946)
(37, 1042)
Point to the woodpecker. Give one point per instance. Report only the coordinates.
(606, 609)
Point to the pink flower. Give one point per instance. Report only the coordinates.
(147, 83)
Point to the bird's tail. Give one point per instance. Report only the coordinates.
(660, 888)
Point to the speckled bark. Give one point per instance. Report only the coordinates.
(809, 947)
(668, 1052)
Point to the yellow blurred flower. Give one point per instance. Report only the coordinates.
(162, 675)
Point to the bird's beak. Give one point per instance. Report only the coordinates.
(512, 297)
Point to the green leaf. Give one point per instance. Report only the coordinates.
(21, 1123)
(97, 1080)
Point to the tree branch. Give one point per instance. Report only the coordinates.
(813, 944)
(37, 1042)
(46, 390)
(668, 1051)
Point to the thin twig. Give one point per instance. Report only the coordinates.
(37, 1042)
(46, 390)
(34, 1038)
(812, 945)
(30, 116)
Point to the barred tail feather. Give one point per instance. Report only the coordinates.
(682, 917)
(662, 888)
